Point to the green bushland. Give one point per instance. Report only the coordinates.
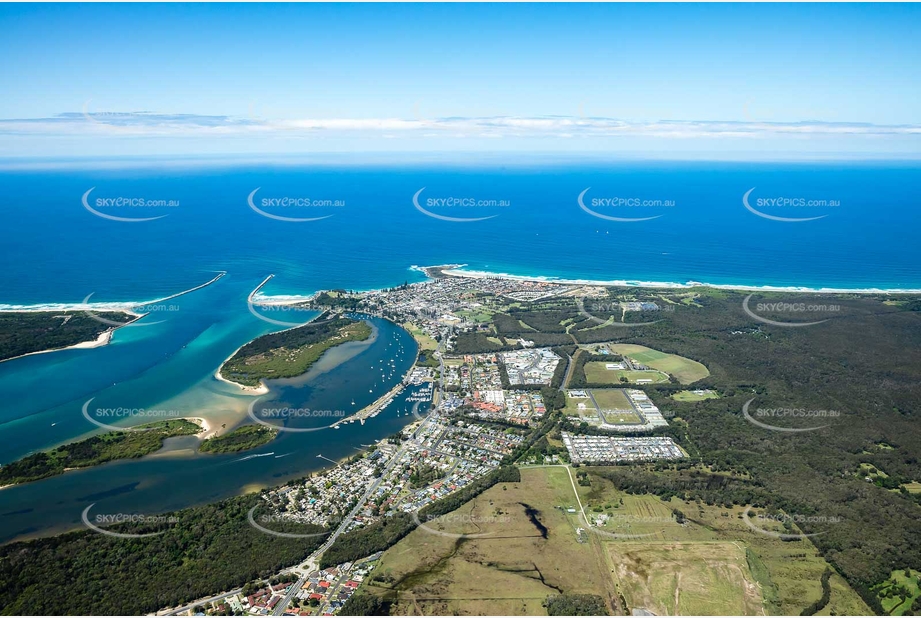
(240, 439)
(206, 550)
(575, 605)
(143, 440)
(762, 575)
(24, 332)
(361, 604)
(424, 474)
(479, 343)
(290, 353)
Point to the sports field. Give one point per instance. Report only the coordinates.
(611, 399)
(596, 373)
(611, 403)
(614, 405)
(684, 369)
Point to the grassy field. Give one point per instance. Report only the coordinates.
(684, 369)
(481, 316)
(713, 540)
(899, 592)
(596, 373)
(699, 578)
(913, 488)
(572, 407)
(510, 572)
(692, 396)
(615, 406)
(425, 342)
(621, 417)
(611, 399)
(712, 564)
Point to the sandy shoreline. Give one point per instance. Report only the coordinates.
(103, 339)
(262, 389)
(207, 430)
(124, 306)
(456, 270)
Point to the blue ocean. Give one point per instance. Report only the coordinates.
(75, 232)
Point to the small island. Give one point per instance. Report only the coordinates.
(240, 439)
(142, 440)
(291, 352)
(31, 332)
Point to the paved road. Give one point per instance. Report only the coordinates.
(314, 557)
(186, 608)
(280, 607)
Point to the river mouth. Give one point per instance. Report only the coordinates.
(177, 476)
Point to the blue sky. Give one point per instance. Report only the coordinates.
(694, 80)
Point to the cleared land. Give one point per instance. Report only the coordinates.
(692, 396)
(511, 571)
(611, 403)
(711, 564)
(572, 407)
(913, 488)
(686, 578)
(615, 406)
(672, 556)
(684, 369)
(596, 373)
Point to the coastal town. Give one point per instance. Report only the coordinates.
(473, 412)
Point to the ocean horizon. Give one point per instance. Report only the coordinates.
(63, 252)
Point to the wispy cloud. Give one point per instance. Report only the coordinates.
(149, 124)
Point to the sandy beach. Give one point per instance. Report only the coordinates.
(262, 389)
(207, 430)
(103, 339)
(456, 270)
